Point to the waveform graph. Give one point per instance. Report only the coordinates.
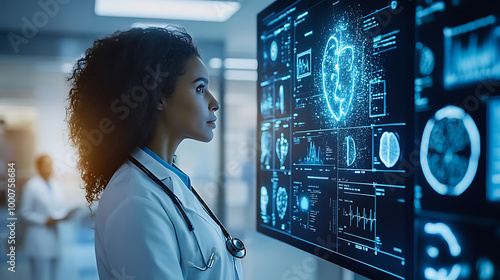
(358, 215)
(361, 218)
(314, 149)
(304, 64)
(314, 155)
(471, 52)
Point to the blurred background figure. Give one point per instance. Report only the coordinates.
(42, 208)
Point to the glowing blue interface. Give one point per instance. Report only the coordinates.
(457, 175)
(493, 177)
(335, 107)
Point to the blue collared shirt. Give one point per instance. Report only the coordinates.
(184, 177)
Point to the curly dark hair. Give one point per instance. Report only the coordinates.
(115, 90)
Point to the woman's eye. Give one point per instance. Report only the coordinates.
(201, 89)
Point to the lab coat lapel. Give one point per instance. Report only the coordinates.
(169, 178)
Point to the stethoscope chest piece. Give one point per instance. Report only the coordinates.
(236, 247)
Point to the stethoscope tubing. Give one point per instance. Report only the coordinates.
(234, 245)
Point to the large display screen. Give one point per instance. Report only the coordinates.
(457, 182)
(335, 130)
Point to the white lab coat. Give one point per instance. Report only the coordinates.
(39, 202)
(140, 233)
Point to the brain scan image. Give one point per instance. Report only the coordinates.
(282, 149)
(264, 201)
(450, 149)
(350, 148)
(265, 150)
(338, 75)
(389, 150)
(281, 202)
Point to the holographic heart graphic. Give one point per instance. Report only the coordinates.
(338, 76)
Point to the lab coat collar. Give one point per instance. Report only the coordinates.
(168, 177)
(152, 164)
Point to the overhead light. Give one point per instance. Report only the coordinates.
(215, 63)
(197, 10)
(149, 24)
(233, 63)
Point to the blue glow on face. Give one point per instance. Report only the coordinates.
(338, 75)
(304, 204)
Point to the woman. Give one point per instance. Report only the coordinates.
(135, 96)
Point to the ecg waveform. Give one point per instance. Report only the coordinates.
(304, 64)
(364, 217)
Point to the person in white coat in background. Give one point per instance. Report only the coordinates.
(134, 97)
(42, 207)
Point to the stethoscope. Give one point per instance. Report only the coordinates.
(234, 245)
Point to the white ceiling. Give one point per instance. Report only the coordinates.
(77, 18)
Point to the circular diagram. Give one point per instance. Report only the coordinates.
(274, 51)
(389, 150)
(450, 149)
(281, 202)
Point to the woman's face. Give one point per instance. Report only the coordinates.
(190, 111)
